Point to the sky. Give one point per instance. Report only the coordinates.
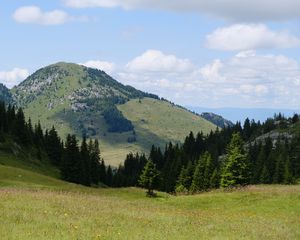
(214, 54)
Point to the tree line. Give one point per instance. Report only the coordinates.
(78, 164)
(233, 156)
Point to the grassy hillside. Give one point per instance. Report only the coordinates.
(75, 99)
(164, 120)
(155, 122)
(35, 206)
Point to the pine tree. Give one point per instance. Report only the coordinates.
(95, 161)
(71, 167)
(215, 179)
(287, 176)
(149, 178)
(85, 161)
(109, 176)
(53, 146)
(236, 169)
(19, 130)
(202, 174)
(265, 175)
(182, 185)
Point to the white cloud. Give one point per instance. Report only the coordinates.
(13, 77)
(107, 67)
(34, 15)
(156, 61)
(244, 80)
(240, 37)
(233, 10)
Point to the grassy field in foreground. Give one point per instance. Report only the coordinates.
(34, 206)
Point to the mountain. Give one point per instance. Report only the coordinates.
(85, 101)
(217, 119)
(240, 114)
(5, 94)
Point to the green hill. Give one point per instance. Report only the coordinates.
(81, 100)
(37, 206)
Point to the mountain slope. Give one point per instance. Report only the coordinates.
(5, 94)
(216, 119)
(81, 100)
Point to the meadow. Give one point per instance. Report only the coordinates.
(36, 206)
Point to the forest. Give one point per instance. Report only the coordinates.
(234, 156)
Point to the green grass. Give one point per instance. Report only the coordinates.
(155, 121)
(35, 206)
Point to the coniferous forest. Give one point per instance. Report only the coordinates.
(252, 153)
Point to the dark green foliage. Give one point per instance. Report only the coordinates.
(78, 165)
(265, 175)
(5, 94)
(129, 173)
(20, 130)
(185, 178)
(236, 169)
(53, 146)
(109, 176)
(149, 178)
(96, 165)
(231, 159)
(215, 179)
(203, 174)
(116, 121)
(85, 164)
(71, 167)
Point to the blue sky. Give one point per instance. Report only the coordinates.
(196, 53)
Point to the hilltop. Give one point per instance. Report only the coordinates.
(85, 101)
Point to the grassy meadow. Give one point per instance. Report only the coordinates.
(36, 206)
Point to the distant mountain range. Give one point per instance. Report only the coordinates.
(240, 114)
(85, 101)
(217, 119)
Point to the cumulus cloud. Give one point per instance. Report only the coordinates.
(233, 10)
(13, 77)
(244, 80)
(107, 67)
(34, 15)
(156, 61)
(240, 37)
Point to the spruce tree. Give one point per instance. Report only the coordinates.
(236, 169)
(53, 146)
(85, 162)
(71, 167)
(265, 175)
(202, 174)
(215, 179)
(94, 161)
(182, 185)
(109, 176)
(149, 178)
